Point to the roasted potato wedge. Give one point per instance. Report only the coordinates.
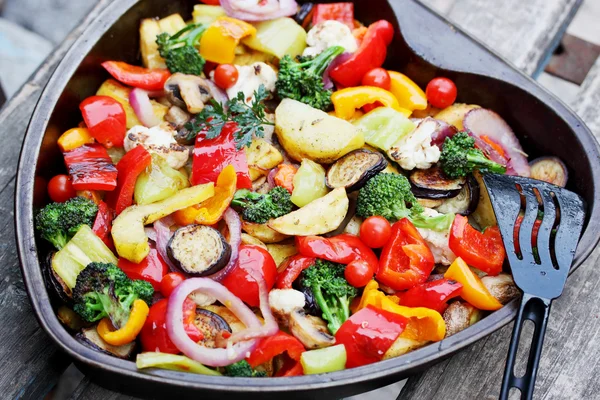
(263, 232)
(455, 114)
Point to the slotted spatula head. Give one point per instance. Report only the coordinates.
(540, 263)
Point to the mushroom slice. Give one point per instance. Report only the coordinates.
(188, 91)
(502, 287)
(460, 315)
(287, 307)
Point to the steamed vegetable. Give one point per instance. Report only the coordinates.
(260, 208)
(317, 217)
(179, 50)
(59, 222)
(309, 183)
(389, 196)
(103, 290)
(460, 157)
(305, 132)
(128, 232)
(302, 80)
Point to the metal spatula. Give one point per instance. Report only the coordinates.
(540, 268)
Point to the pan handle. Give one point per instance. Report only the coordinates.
(535, 309)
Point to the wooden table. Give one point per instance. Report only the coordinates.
(525, 32)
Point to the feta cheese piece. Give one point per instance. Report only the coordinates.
(415, 149)
(437, 241)
(159, 140)
(328, 34)
(250, 77)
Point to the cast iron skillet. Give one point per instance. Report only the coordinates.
(425, 45)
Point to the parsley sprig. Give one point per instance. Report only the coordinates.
(249, 118)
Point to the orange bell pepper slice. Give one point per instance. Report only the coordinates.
(474, 291)
(424, 324)
(128, 333)
(346, 101)
(74, 138)
(210, 211)
(220, 39)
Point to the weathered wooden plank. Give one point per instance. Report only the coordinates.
(525, 32)
(586, 103)
(31, 363)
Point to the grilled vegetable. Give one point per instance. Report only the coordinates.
(460, 157)
(199, 250)
(388, 195)
(309, 183)
(460, 315)
(384, 126)
(549, 169)
(90, 338)
(465, 202)
(211, 325)
(501, 286)
(402, 346)
(263, 232)
(262, 156)
(278, 37)
(317, 217)
(484, 213)
(207, 14)
(432, 183)
(354, 169)
(189, 92)
(158, 182)
(260, 208)
(455, 114)
(324, 360)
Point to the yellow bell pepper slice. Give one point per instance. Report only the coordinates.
(474, 291)
(424, 324)
(408, 93)
(128, 333)
(346, 101)
(74, 138)
(220, 39)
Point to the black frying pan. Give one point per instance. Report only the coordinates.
(425, 46)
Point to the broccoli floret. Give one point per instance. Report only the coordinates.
(302, 80)
(460, 157)
(59, 222)
(103, 290)
(179, 50)
(388, 195)
(244, 370)
(260, 208)
(331, 291)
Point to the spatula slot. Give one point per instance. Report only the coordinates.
(553, 231)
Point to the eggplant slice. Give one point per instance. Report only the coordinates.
(465, 202)
(432, 183)
(198, 250)
(212, 325)
(354, 169)
(90, 338)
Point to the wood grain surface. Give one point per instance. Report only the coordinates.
(523, 31)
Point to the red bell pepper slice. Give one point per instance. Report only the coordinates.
(212, 155)
(370, 54)
(290, 368)
(368, 334)
(103, 224)
(432, 294)
(406, 259)
(106, 120)
(484, 251)
(91, 168)
(341, 12)
(343, 249)
(133, 163)
(291, 269)
(140, 77)
(151, 269)
(275, 345)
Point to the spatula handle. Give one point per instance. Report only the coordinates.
(537, 310)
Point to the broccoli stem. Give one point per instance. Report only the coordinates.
(477, 160)
(318, 64)
(324, 306)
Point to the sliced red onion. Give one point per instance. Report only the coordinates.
(259, 10)
(271, 177)
(270, 326)
(163, 235)
(327, 82)
(217, 93)
(439, 136)
(217, 357)
(481, 122)
(150, 233)
(153, 94)
(140, 102)
(234, 225)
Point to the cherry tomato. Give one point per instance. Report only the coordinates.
(212, 2)
(226, 75)
(154, 336)
(152, 268)
(240, 283)
(170, 281)
(375, 232)
(358, 273)
(441, 92)
(378, 77)
(61, 189)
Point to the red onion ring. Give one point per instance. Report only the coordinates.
(327, 82)
(216, 357)
(439, 136)
(268, 9)
(163, 235)
(270, 326)
(271, 177)
(140, 102)
(234, 225)
(151, 233)
(217, 93)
